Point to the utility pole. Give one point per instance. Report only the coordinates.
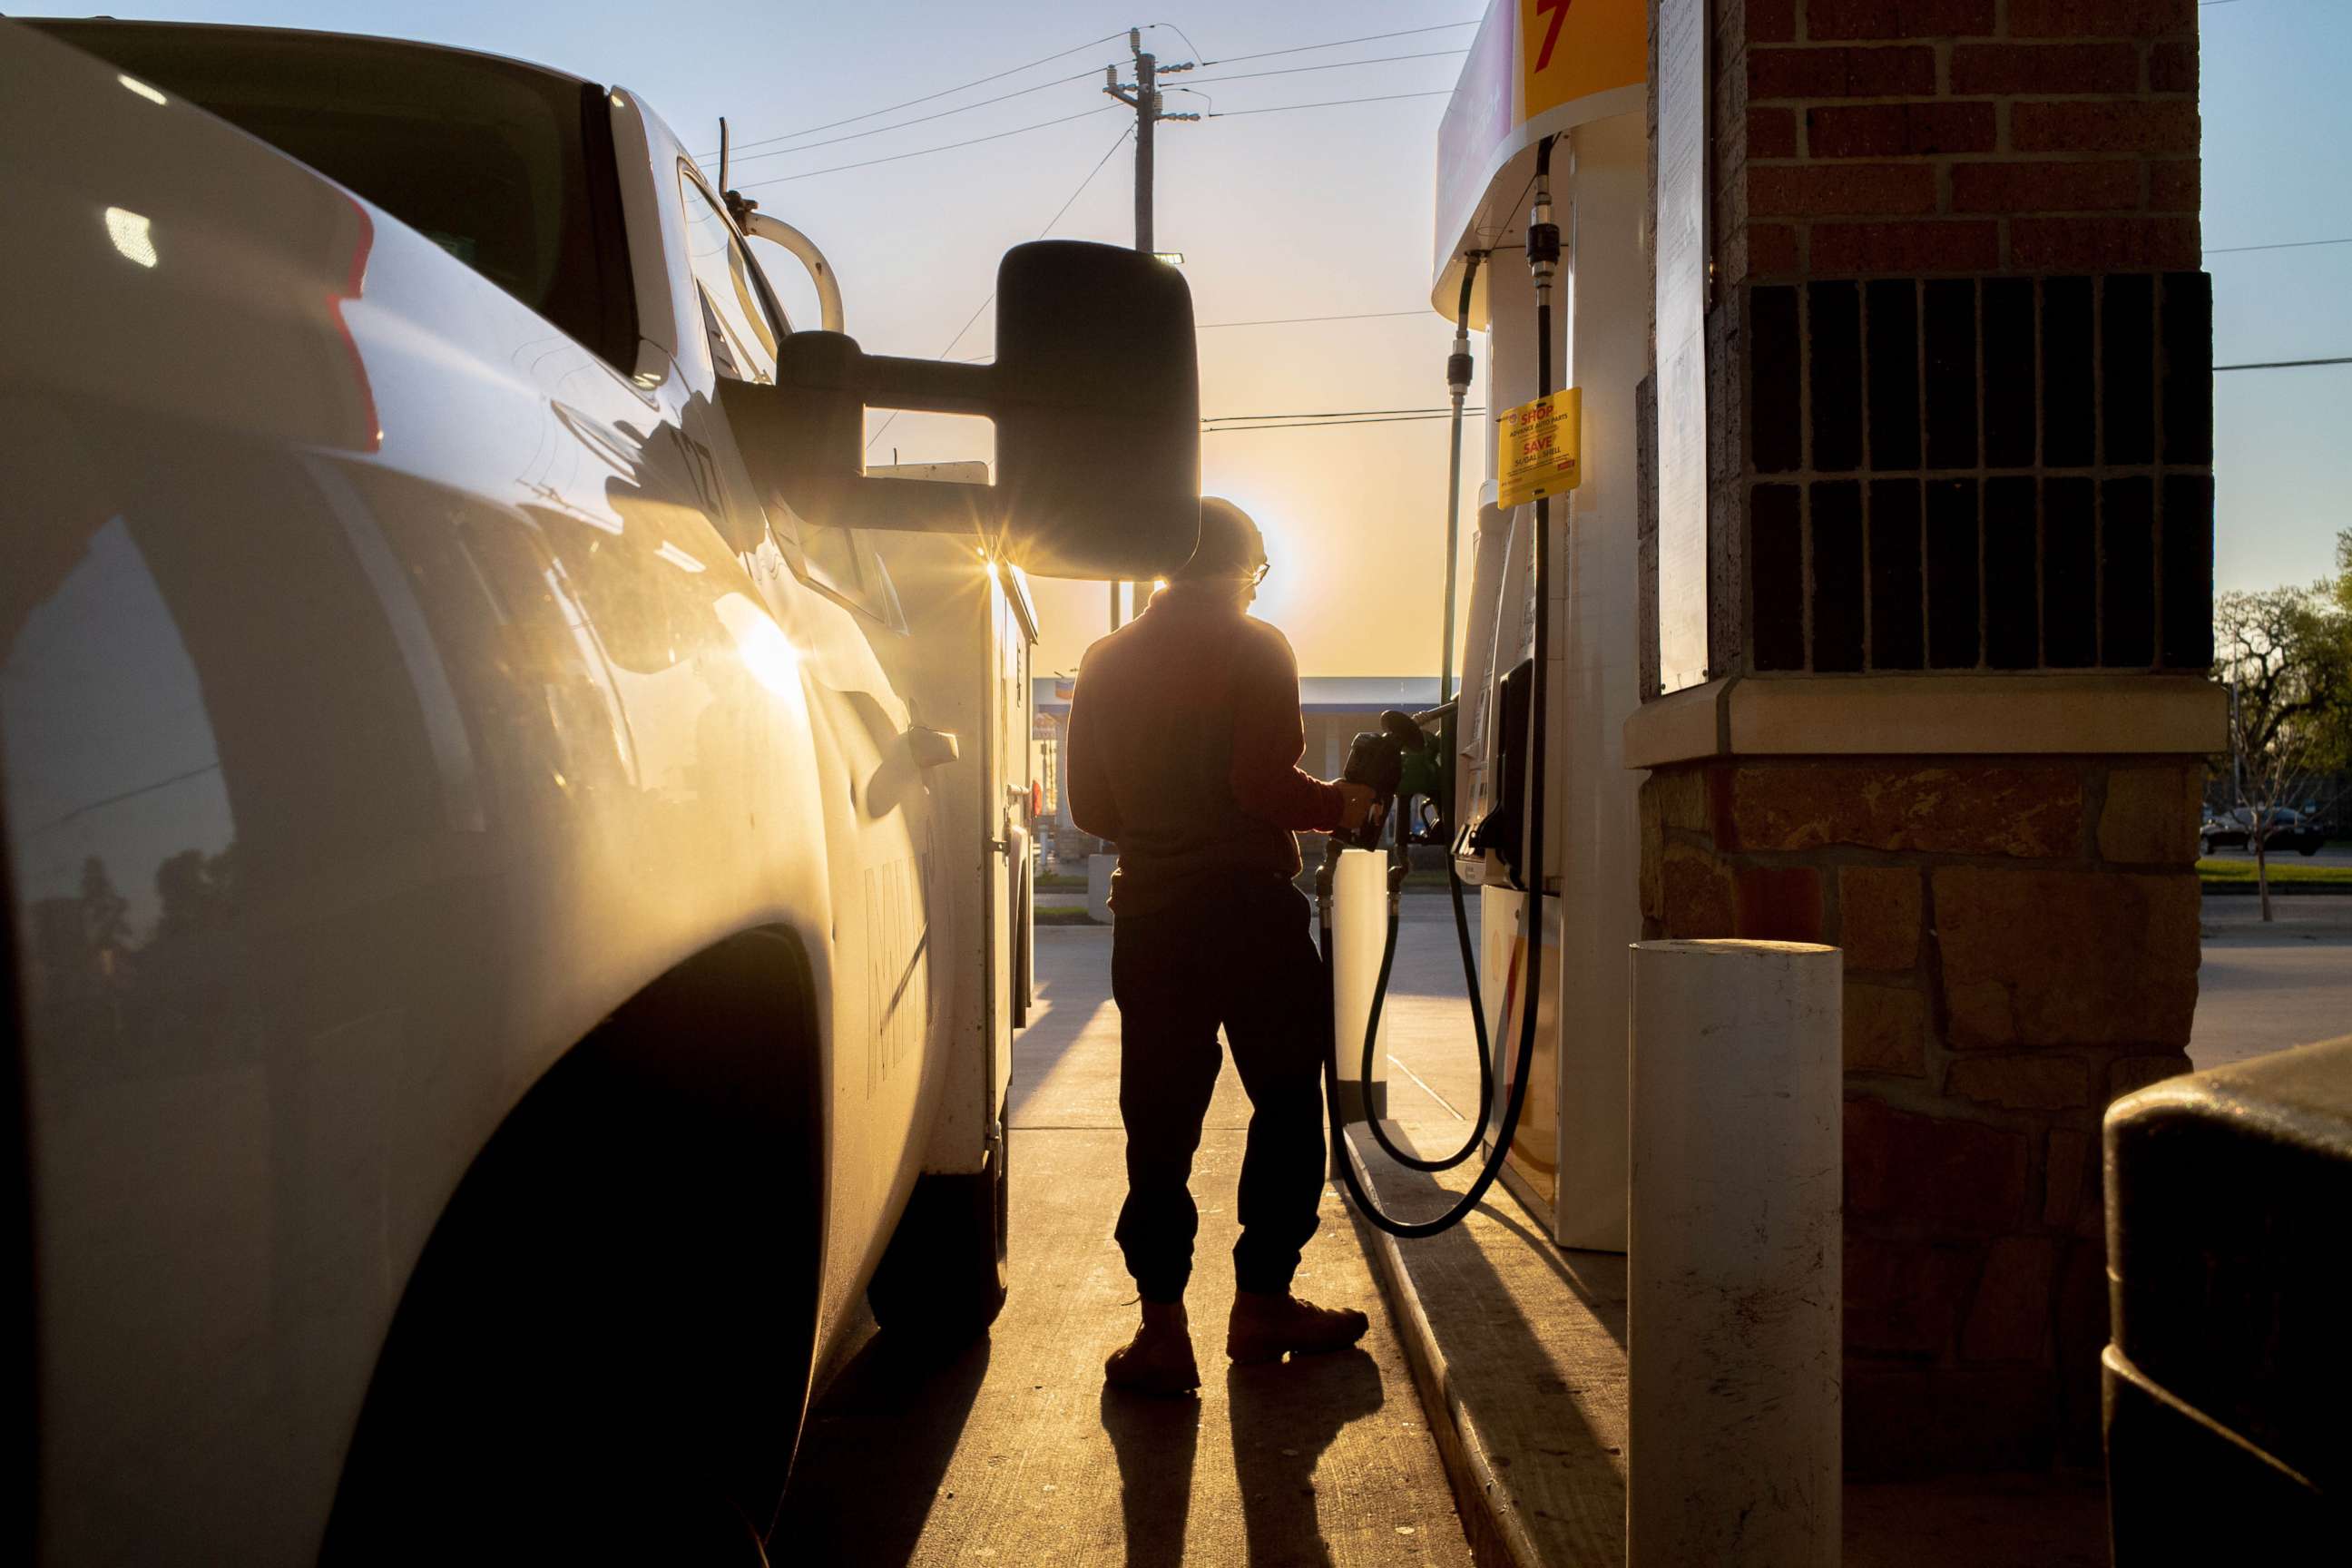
(1143, 97)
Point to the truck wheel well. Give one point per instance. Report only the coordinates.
(649, 1219)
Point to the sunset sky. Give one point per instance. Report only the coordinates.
(1326, 211)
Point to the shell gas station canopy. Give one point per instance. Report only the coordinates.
(1537, 68)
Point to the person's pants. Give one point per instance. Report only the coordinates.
(1238, 955)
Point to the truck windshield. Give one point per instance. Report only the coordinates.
(503, 164)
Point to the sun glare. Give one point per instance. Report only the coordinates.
(766, 652)
(129, 231)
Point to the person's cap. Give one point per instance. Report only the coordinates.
(1230, 546)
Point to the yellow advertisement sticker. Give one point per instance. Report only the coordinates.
(1537, 448)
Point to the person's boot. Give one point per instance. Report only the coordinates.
(1159, 1359)
(1265, 1327)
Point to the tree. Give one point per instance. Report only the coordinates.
(105, 913)
(2287, 655)
(2335, 748)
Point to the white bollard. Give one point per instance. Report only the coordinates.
(1359, 916)
(1098, 871)
(1734, 1451)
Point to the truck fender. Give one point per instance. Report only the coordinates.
(626, 1281)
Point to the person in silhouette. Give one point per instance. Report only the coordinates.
(1185, 741)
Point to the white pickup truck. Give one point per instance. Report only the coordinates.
(514, 841)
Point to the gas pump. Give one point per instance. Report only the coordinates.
(1380, 760)
(1533, 800)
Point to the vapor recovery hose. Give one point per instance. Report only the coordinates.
(1531, 862)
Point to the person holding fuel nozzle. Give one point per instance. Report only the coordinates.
(1185, 735)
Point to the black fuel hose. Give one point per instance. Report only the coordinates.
(1457, 380)
(1542, 254)
(1477, 1027)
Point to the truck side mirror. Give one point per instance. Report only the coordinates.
(1096, 398)
(1098, 411)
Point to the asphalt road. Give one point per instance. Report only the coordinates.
(2263, 987)
(2338, 853)
(1015, 1454)
(2326, 854)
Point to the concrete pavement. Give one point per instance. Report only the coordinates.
(1014, 1453)
(1493, 1297)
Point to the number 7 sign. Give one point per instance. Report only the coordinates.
(1558, 11)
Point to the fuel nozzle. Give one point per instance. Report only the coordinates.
(1384, 762)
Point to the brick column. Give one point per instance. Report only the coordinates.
(1959, 540)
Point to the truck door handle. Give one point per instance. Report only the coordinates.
(931, 748)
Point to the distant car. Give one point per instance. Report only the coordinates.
(2282, 828)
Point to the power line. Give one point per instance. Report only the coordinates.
(2283, 363)
(1368, 418)
(943, 92)
(1330, 103)
(1227, 422)
(1332, 424)
(1333, 66)
(1180, 33)
(2280, 245)
(1292, 320)
(1321, 414)
(1269, 321)
(1212, 426)
(1041, 232)
(919, 152)
(1235, 424)
(1341, 43)
(919, 119)
(1090, 180)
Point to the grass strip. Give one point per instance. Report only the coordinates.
(2290, 876)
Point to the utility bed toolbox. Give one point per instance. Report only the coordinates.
(2229, 1380)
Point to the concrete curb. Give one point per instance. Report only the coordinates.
(1498, 1536)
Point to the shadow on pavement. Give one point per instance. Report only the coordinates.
(1283, 1417)
(1562, 1262)
(1530, 1385)
(872, 1456)
(1059, 1025)
(1155, 1440)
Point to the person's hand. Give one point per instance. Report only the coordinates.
(1356, 803)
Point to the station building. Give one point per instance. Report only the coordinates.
(1882, 616)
